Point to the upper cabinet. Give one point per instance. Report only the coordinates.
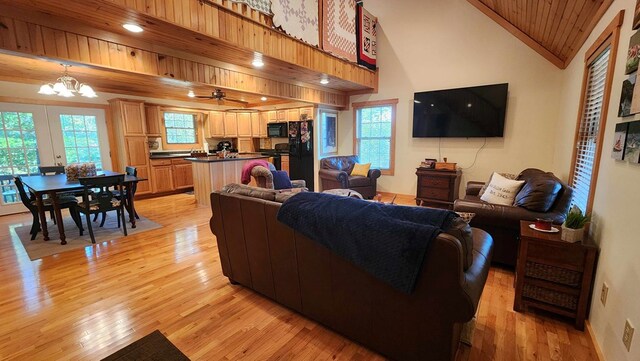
(309, 112)
(153, 119)
(293, 115)
(281, 115)
(215, 125)
(244, 124)
(133, 113)
(231, 125)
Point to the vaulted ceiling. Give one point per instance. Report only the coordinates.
(556, 29)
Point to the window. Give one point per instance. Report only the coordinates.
(80, 137)
(374, 130)
(18, 151)
(180, 128)
(596, 89)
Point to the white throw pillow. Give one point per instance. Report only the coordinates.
(501, 190)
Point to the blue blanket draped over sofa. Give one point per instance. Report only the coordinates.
(388, 241)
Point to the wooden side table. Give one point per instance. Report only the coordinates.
(554, 275)
(437, 188)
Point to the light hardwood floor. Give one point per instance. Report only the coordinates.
(86, 304)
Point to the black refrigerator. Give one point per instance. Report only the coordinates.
(301, 163)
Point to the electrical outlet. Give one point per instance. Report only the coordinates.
(627, 336)
(604, 293)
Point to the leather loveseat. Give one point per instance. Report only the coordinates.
(503, 222)
(335, 172)
(272, 259)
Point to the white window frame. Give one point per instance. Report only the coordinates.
(357, 107)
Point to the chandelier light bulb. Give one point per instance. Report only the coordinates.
(46, 90)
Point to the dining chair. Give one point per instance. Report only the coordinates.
(131, 171)
(103, 200)
(51, 169)
(68, 202)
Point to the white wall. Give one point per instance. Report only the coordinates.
(440, 44)
(616, 204)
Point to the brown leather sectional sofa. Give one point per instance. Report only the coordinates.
(267, 256)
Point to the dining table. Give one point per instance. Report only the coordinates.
(51, 185)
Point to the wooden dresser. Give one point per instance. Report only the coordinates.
(437, 188)
(554, 275)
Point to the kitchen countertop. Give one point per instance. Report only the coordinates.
(213, 159)
(169, 155)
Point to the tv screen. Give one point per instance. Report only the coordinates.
(463, 113)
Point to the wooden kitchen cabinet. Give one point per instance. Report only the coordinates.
(309, 112)
(133, 114)
(293, 115)
(230, 125)
(182, 174)
(162, 178)
(281, 115)
(215, 125)
(272, 116)
(284, 163)
(153, 120)
(143, 187)
(255, 125)
(244, 124)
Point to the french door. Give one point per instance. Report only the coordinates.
(34, 135)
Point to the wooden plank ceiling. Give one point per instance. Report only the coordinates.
(204, 45)
(556, 29)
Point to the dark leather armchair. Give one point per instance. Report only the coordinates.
(335, 172)
(503, 222)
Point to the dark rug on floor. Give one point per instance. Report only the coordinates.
(153, 347)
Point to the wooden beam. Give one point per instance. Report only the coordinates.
(33, 40)
(560, 63)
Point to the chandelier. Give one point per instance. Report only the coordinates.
(66, 86)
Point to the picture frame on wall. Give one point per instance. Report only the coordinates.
(328, 132)
(633, 54)
(626, 96)
(632, 148)
(619, 141)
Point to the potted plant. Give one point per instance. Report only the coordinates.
(573, 226)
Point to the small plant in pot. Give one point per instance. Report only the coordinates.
(573, 226)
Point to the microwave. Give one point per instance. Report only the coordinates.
(278, 130)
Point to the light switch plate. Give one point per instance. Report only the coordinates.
(627, 336)
(604, 293)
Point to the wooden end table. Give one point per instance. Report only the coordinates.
(554, 275)
(437, 188)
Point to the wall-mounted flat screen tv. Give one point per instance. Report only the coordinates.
(460, 113)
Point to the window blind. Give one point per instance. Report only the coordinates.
(587, 138)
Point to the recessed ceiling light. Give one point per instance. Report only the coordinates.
(324, 80)
(257, 60)
(134, 28)
(264, 99)
(191, 94)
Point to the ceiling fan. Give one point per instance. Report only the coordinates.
(220, 96)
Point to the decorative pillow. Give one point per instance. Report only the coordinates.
(281, 179)
(501, 190)
(466, 216)
(506, 175)
(361, 170)
(539, 193)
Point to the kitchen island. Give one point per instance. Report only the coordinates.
(212, 173)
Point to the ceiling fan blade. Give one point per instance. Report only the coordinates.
(205, 97)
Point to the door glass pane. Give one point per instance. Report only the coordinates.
(18, 151)
(80, 136)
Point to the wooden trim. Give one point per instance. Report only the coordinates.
(587, 31)
(610, 36)
(390, 102)
(58, 103)
(594, 342)
(519, 34)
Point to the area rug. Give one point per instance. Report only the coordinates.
(263, 6)
(152, 347)
(367, 38)
(339, 28)
(298, 19)
(38, 248)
